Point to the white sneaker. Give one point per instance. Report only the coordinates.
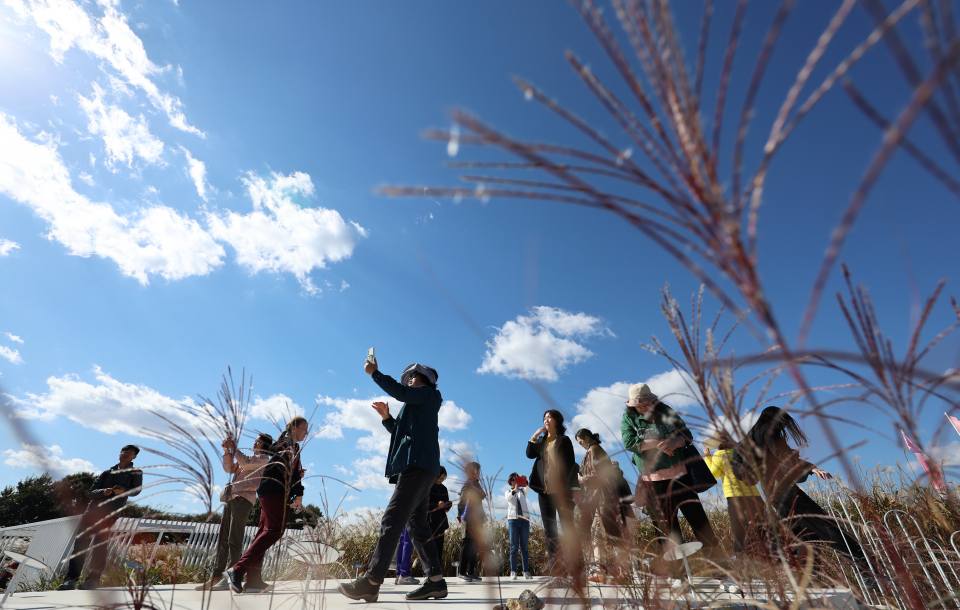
(527, 575)
(513, 575)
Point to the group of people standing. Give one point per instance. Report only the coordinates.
(591, 501)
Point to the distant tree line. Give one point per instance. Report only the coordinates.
(40, 498)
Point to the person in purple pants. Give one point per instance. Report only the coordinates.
(404, 559)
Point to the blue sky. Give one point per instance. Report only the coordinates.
(187, 186)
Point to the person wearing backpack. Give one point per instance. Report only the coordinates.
(744, 504)
(655, 435)
(600, 493)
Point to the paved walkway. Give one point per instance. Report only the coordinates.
(324, 596)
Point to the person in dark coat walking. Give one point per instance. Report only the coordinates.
(108, 495)
(438, 507)
(279, 491)
(413, 464)
(554, 478)
(781, 469)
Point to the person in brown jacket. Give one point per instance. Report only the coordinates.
(242, 495)
(598, 488)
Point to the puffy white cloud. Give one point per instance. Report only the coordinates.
(109, 406)
(47, 459)
(278, 408)
(281, 236)
(10, 354)
(153, 240)
(13, 338)
(7, 246)
(601, 410)
(124, 137)
(452, 417)
(108, 38)
(541, 345)
(197, 171)
(357, 414)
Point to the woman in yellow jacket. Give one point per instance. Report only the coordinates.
(744, 503)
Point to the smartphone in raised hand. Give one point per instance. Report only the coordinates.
(370, 355)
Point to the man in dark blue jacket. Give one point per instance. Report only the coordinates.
(413, 464)
(107, 496)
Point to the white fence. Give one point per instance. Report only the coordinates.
(52, 542)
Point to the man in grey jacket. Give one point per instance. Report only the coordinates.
(107, 496)
(242, 495)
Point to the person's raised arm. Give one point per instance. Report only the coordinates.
(533, 446)
(250, 462)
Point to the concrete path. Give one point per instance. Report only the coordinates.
(462, 596)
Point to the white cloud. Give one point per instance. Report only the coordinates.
(47, 459)
(108, 38)
(281, 236)
(344, 285)
(358, 414)
(7, 246)
(86, 178)
(10, 354)
(124, 137)
(452, 417)
(601, 410)
(110, 406)
(277, 408)
(541, 345)
(153, 240)
(13, 338)
(198, 173)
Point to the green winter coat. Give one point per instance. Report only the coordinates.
(663, 423)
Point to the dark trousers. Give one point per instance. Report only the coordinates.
(676, 495)
(230, 539)
(551, 507)
(746, 522)
(438, 544)
(273, 518)
(811, 524)
(93, 534)
(470, 551)
(407, 508)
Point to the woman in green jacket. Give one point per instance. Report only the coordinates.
(656, 435)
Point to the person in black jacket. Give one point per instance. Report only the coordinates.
(554, 478)
(108, 495)
(439, 506)
(280, 490)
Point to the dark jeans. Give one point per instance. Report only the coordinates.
(676, 495)
(469, 552)
(230, 538)
(273, 518)
(407, 508)
(93, 531)
(519, 541)
(438, 543)
(552, 506)
(746, 522)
